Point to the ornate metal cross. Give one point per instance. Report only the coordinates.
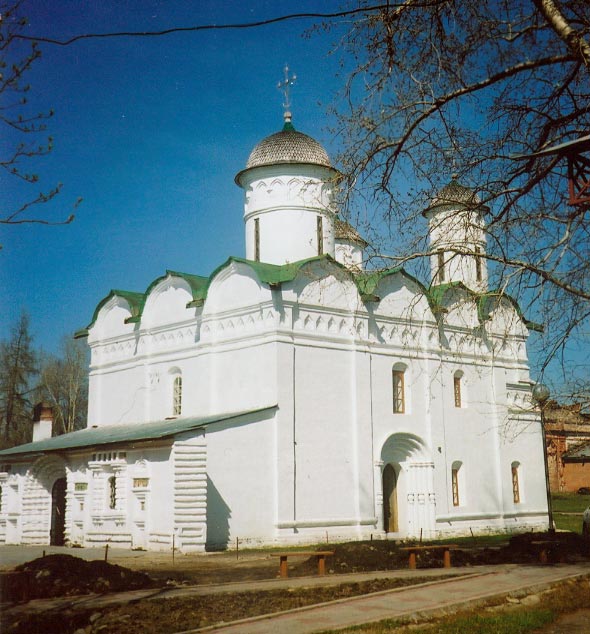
(284, 86)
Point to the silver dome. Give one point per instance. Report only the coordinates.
(288, 146)
(455, 193)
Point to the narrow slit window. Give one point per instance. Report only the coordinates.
(320, 231)
(177, 396)
(455, 485)
(399, 400)
(441, 265)
(478, 269)
(257, 239)
(515, 485)
(457, 390)
(112, 492)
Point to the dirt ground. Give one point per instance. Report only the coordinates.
(65, 575)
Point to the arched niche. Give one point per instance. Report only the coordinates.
(234, 286)
(167, 302)
(111, 320)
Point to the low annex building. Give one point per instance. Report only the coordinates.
(291, 394)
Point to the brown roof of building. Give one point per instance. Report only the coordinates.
(345, 231)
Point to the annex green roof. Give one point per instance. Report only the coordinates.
(128, 432)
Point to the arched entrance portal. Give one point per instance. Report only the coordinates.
(44, 502)
(408, 501)
(58, 513)
(390, 508)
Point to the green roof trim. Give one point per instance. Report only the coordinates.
(135, 300)
(129, 432)
(275, 275)
(272, 274)
(438, 292)
(196, 283)
(484, 301)
(367, 281)
(484, 308)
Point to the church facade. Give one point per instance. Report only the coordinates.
(292, 396)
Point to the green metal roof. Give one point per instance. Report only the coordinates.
(438, 291)
(485, 301)
(135, 300)
(128, 432)
(271, 274)
(196, 282)
(274, 275)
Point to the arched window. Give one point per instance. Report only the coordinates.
(257, 239)
(515, 483)
(456, 483)
(177, 396)
(399, 389)
(112, 492)
(457, 377)
(320, 236)
(440, 255)
(478, 267)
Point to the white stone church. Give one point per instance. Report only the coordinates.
(292, 396)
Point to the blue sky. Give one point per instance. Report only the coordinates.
(150, 132)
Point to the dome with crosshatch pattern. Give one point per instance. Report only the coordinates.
(288, 146)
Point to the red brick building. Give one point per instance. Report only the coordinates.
(567, 430)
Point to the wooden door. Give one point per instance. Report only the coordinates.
(390, 511)
(58, 513)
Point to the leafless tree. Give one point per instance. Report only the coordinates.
(21, 127)
(436, 88)
(64, 384)
(18, 366)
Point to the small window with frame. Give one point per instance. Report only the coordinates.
(478, 264)
(440, 254)
(257, 239)
(320, 235)
(515, 483)
(457, 389)
(177, 396)
(399, 396)
(112, 492)
(455, 485)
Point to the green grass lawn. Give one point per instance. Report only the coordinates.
(569, 503)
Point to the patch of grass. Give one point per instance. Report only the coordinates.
(571, 523)
(509, 623)
(570, 502)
